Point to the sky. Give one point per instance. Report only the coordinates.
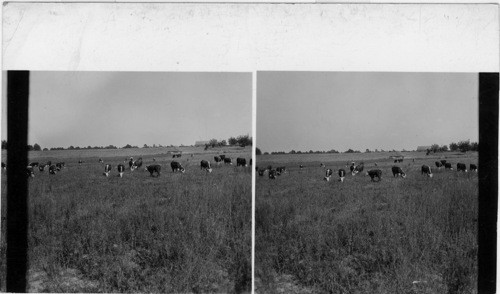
(137, 108)
(364, 110)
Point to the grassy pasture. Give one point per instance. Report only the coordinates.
(413, 235)
(178, 232)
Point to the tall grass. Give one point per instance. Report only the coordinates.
(413, 235)
(176, 233)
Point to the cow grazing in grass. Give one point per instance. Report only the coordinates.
(426, 170)
(443, 162)
(41, 167)
(321, 165)
(177, 155)
(29, 172)
(374, 173)
(205, 164)
(461, 167)
(272, 174)
(100, 160)
(53, 169)
(155, 168)
(121, 169)
(341, 174)
(280, 170)
(352, 167)
(80, 162)
(222, 156)
(217, 160)
(241, 161)
(473, 167)
(176, 166)
(301, 166)
(447, 165)
(359, 168)
(438, 164)
(328, 174)
(60, 165)
(107, 169)
(137, 163)
(397, 171)
(261, 172)
(131, 164)
(227, 160)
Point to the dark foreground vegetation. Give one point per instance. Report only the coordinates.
(413, 235)
(176, 233)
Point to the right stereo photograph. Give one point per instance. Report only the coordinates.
(366, 182)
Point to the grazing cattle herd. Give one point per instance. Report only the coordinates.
(153, 169)
(374, 174)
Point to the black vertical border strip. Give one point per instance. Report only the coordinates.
(488, 181)
(17, 181)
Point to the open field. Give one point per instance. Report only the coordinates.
(186, 232)
(412, 235)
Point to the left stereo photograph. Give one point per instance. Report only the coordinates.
(135, 182)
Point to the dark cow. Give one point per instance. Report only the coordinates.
(41, 168)
(447, 165)
(60, 165)
(280, 170)
(473, 167)
(352, 167)
(374, 173)
(121, 169)
(227, 160)
(131, 164)
(438, 164)
(241, 161)
(272, 174)
(33, 164)
(4, 166)
(341, 174)
(250, 162)
(261, 172)
(397, 171)
(107, 169)
(328, 174)
(359, 168)
(217, 160)
(80, 162)
(398, 160)
(176, 166)
(443, 162)
(155, 168)
(53, 169)
(205, 164)
(29, 172)
(100, 160)
(321, 165)
(426, 170)
(137, 163)
(301, 166)
(461, 167)
(222, 156)
(177, 155)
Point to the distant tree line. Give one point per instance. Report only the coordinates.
(462, 146)
(242, 141)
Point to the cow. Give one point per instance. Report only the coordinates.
(100, 160)
(155, 168)
(328, 174)
(473, 167)
(33, 164)
(222, 156)
(131, 164)
(80, 162)
(321, 165)
(351, 168)
(176, 166)
(138, 163)
(397, 171)
(60, 165)
(359, 168)
(176, 155)
(250, 162)
(4, 166)
(426, 170)
(272, 174)
(374, 173)
(438, 164)
(29, 172)
(341, 174)
(227, 160)
(443, 162)
(217, 160)
(205, 164)
(261, 172)
(398, 160)
(121, 169)
(301, 166)
(53, 169)
(41, 167)
(461, 167)
(107, 169)
(280, 170)
(49, 163)
(447, 165)
(241, 161)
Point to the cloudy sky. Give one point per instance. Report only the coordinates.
(360, 110)
(137, 108)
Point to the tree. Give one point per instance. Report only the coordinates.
(349, 151)
(30, 148)
(244, 140)
(127, 146)
(232, 141)
(443, 148)
(434, 148)
(212, 142)
(45, 149)
(37, 147)
(145, 146)
(367, 150)
(474, 146)
(223, 143)
(257, 151)
(464, 146)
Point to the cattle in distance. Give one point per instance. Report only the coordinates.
(426, 170)
(121, 169)
(177, 167)
(107, 169)
(398, 172)
(241, 161)
(155, 168)
(341, 174)
(473, 167)
(205, 165)
(461, 167)
(374, 173)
